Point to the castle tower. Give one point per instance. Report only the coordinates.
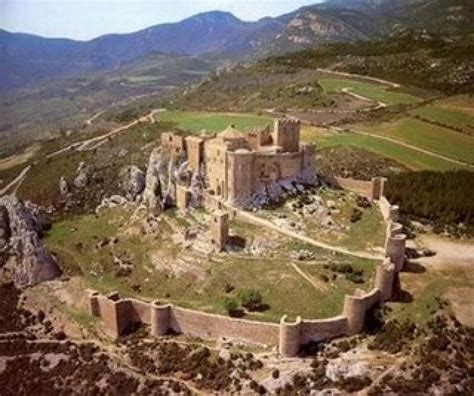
(182, 197)
(290, 337)
(287, 134)
(308, 167)
(195, 150)
(219, 229)
(240, 177)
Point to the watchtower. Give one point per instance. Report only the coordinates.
(219, 229)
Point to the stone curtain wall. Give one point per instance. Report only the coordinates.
(360, 187)
(118, 314)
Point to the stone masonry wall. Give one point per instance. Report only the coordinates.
(118, 314)
(360, 187)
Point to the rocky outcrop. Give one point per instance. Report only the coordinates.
(25, 224)
(4, 234)
(63, 186)
(275, 192)
(132, 181)
(164, 170)
(84, 175)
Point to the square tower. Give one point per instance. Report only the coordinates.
(287, 134)
(219, 229)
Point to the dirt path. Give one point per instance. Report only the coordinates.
(448, 252)
(82, 146)
(308, 278)
(268, 224)
(16, 180)
(18, 159)
(373, 79)
(380, 105)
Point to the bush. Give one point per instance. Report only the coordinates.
(231, 306)
(250, 299)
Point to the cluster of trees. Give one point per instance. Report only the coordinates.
(443, 198)
(251, 299)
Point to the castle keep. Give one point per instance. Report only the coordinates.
(240, 166)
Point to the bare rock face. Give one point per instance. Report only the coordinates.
(132, 181)
(63, 186)
(163, 171)
(84, 175)
(25, 223)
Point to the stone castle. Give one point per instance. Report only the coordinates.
(246, 169)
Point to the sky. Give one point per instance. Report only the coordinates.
(86, 19)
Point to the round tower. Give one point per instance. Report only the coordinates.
(395, 250)
(160, 318)
(290, 337)
(384, 279)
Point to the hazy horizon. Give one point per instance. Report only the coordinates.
(86, 19)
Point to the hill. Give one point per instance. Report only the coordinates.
(27, 58)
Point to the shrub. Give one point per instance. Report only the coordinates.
(276, 373)
(231, 306)
(250, 299)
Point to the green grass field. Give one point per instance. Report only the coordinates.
(404, 155)
(446, 115)
(375, 92)
(282, 287)
(212, 122)
(426, 136)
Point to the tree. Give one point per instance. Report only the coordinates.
(250, 299)
(231, 305)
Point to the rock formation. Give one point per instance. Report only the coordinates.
(22, 225)
(63, 186)
(132, 181)
(163, 171)
(84, 174)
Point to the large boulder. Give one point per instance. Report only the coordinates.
(132, 181)
(26, 222)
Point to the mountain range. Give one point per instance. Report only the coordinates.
(26, 58)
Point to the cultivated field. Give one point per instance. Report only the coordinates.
(403, 155)
(434, 138)
(376, 92)
(211, 122)
(456, 113)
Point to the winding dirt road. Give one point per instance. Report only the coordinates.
(82, 145)
(359, 76)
